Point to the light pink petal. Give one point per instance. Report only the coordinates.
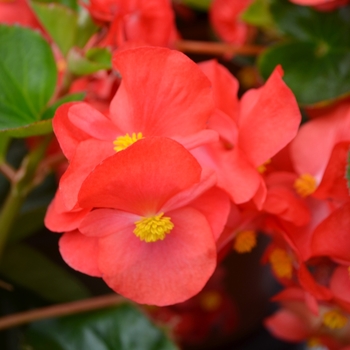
(167, 96)
(163, 272)
(80, 252)
(141, 178)
(269, 119)
(104, 222)
(93, 122)
(88, 155)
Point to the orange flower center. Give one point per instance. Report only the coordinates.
(281, 263)
(334, 319)
(123, 142)
(154, 228)
(305, 185)
(245, 241)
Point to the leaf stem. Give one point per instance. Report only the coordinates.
(60, 310)
(8, 171)
(216, 48)
(22, 183)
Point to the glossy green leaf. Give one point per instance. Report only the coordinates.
(59, 21)
(94, 60)
(50, 112)
(41, 127)
(72, 4)
(122, 327)
(315, 56)
(198, 4)
(30, 269)
(258, 14)
(28, 76)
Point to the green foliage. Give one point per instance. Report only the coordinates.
(198, 4)
(123, 327)
(258, 14)
(316, 54)
(32, 270)
(67, 25)
(94, 60)
(28, 76)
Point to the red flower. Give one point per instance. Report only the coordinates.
(252, 130)
(141, 21)
(323, 5)
(162, 93)
(149, 236)
(224, 16)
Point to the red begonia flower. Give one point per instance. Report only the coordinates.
(313, 146)
(224, 16)
(148, 21)
(17, 12)
(323, 5)
(162, 93)
(332, 236)
(155, 181)
(252, 130)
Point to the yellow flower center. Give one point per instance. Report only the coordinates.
(281, 263)
(125, 141)
(334, 319)
(245, 241)
(305, 185)
(262, 168)
(154, 228)
(210, 300)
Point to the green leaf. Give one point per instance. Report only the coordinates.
(32, 270)
(60, 22)
(198, 4)
(4, 143)
(258, 14)
(86, 27)
(316, 57)
(94, 60)
(50, 112)
(27, 223)
(123, 327)
(42, 127)
(28, 76)
(72, 4)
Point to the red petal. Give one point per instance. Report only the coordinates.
(269, 119)
(163, 272)
(80, 252)
(163, 93)
(141, 178)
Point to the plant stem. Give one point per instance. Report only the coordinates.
(22, 183)
(213, 48)
(60, 310)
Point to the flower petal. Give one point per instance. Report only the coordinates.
(163, 272)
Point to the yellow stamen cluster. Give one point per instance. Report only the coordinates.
(154, 228)
(262, 168)
(245, 241)
(305, 185)
(334, 319)
(123, 142)
(281, 263)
